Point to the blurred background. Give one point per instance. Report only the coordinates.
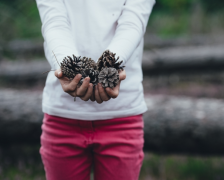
(183, 66)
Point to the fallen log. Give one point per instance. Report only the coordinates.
(24, 70)
(20, 116)
(182, 124)
(183, 57)
(154, 41)
(24, 48)
(153, 61)
(172, 124)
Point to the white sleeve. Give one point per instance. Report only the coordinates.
(56, 29)
(131, 27)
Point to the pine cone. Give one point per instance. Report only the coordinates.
(92, 73)
(88, 63)
(84, 66)
(108, 77)
(107, 59)
(70, 67)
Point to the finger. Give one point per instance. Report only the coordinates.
(58, 73)
(92, 98)
(89, 93)
(97, 96)
(72, 85)
(113, 92)
(102, 93)
(81, 91)
(122, 75)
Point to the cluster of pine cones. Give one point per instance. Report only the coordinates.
(105, 71)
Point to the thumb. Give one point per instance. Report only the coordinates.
(122, 75)
(58, 73)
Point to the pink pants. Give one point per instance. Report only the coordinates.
(69, 148)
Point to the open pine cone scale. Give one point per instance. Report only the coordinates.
(109, 77)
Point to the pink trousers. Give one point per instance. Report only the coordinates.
(69, 148)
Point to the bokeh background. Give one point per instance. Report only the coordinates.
(183, 66)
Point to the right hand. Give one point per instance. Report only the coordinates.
(104, 94)
(85, 91)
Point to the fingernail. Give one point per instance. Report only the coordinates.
(59, 72)
(100, 85)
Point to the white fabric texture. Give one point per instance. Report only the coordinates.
(88, 28)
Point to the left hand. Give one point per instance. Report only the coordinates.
(104, 94)
(71, 87)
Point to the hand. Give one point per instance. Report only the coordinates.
(104, 94)
(71, 87)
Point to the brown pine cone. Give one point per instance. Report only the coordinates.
(88, 63)
(92, 73)
(108, 77)
(84, 66)
(107, 59)
(70, 67)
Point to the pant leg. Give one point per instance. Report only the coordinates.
(64, 150)
(118, 148)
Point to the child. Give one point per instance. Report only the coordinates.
(106, 132)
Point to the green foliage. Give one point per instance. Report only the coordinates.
(169, 25)
(24, 162)
(24, 172)
(186, 17)
(183, 5)
(152, 166)
(19, 19)
(183, 167)
(21, 162)
(213, 5)
(174, 5)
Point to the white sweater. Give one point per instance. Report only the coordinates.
(87, 28)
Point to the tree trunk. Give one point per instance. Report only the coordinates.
(172, 124)
(182, 124)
